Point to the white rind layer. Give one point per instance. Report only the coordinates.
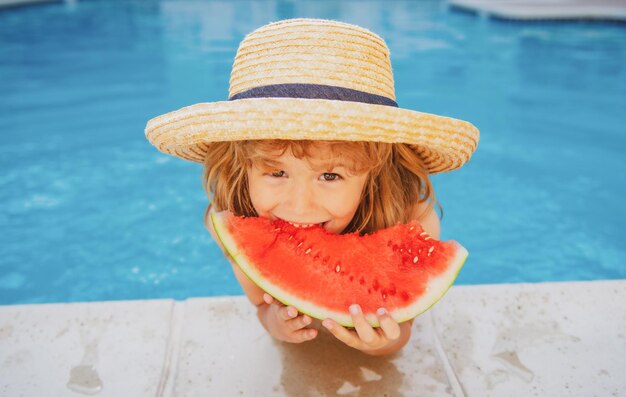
(438, 286)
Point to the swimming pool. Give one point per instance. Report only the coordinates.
(90, 211)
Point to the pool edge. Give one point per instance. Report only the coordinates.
(511, 339)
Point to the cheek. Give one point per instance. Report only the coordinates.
(345, 205)
(261, 196)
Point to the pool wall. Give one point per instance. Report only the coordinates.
(14, 3)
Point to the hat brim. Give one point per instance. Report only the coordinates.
(443, 143)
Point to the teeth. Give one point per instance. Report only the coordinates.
(301, 225)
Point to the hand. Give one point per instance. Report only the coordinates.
(389, 338)
(284, 322)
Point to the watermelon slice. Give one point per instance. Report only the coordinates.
(321, 273)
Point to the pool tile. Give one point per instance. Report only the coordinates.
(546, 339)
(109, 348)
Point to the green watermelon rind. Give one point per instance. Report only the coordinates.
(437, 286)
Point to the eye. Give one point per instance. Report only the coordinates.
(278, 174)
(330, 176)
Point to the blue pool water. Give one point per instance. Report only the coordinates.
(90, 211)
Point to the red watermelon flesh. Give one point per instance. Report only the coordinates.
(321, 273)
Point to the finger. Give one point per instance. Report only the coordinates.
(303, 335)
(299, 322)
(350, 338)
(287, 312)
(362, 327)
(391, 329)
(267, 298)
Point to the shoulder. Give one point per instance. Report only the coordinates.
(426, 215)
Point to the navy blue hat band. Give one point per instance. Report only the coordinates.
(313, 91)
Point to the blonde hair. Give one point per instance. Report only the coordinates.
(396, 177)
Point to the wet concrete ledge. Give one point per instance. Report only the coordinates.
(604, 10)
(546, 339)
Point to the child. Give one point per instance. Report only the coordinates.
(312, 134)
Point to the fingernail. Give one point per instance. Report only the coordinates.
(381, 311)
(327, 324)
(292, 312)
(355, 309)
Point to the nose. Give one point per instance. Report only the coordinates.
(300, 198)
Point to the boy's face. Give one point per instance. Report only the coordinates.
(305, 192)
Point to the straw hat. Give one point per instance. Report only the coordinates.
(311, 79)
